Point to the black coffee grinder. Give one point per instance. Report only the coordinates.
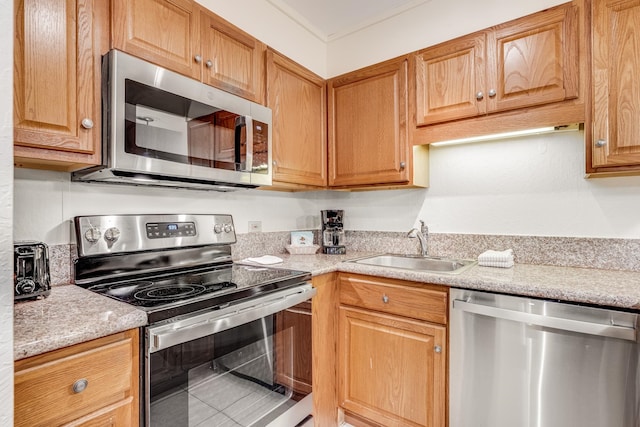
(333, 232)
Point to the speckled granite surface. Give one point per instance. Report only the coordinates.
(608, 254)
(60, 264)
(69, 315)
(591, 286)
(72, 314)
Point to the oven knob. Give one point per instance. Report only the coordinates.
(228, 228)
(217, 228)
(92, 235)
(111, 234)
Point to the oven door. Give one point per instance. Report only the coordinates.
(243, 365)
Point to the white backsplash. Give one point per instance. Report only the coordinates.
(529, 186)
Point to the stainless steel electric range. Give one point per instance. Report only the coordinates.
(220, 344)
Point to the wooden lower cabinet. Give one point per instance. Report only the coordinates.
(392, 369)
(293, 349)
(89, 384)
(323, 337)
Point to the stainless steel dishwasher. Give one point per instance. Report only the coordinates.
(522, 362)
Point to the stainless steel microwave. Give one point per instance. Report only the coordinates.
(161, 128)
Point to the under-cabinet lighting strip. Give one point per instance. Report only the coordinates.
(506, 135)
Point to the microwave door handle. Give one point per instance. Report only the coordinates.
(247, 123)
(249, 154)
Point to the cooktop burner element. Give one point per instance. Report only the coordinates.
(174, 275)
(147, 293)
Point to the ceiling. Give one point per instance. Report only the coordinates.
(332, 19)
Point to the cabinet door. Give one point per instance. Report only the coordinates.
(233, 60)
(392, 370)
(293, 348)
(56, 83)
(165, 32)
(616, 83)
(298, 100)
(449, 78)
(368, 140)
(96, 380)
(533, 60)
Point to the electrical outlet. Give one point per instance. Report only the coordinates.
(255, 226)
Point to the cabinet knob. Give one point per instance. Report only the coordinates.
(87, 123)
(80, 385)
(492, 93)
(601, 143)
(385, 299)
(275, 163)
(437, 349)
(197, 58)
(402, 165)
(209, 63)
(479, 96)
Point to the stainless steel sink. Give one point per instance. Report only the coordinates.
(415, 263)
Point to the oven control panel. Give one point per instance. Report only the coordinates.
(109, 234)
(161, 230)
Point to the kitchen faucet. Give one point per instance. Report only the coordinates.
(422, 235)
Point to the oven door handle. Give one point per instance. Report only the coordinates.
(165, 336)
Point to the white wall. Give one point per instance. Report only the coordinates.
(524, 186)
(267, 23)
(426, 25)
(47, 201)
(6, 213)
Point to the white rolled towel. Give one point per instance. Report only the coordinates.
(490, 258)
(265, 260)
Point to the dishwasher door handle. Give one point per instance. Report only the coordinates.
(613, 331)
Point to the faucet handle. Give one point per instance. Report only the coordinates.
(424, 229)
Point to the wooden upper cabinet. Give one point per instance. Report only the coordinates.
(186, 38)
(57, 50)
(527, 62)
(165, 32)
(448, 78)
(615, 143)
(298, 100)
(533, 60)
(368, 138)
(233, 60)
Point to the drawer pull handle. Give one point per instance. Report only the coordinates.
(385, 299)
(80, 385)
(437, 349)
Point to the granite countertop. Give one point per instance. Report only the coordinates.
(612, 288)
(69, 315)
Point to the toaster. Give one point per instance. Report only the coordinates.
(30, 270)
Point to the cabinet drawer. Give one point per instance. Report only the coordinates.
(425, 302)
(44, 393)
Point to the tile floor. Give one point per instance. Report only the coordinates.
(217, 400)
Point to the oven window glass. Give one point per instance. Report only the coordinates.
(162, 125)
(245, 376)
